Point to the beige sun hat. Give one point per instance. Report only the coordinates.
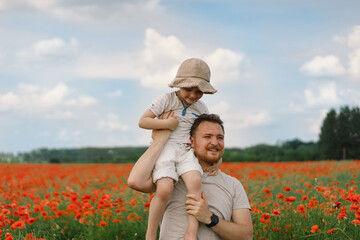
(193, 72)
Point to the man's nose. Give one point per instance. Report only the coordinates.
(214, 141)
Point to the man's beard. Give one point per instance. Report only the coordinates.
(208, 161)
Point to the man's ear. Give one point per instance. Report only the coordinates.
(192, 141)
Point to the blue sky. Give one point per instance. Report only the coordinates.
(80, 73)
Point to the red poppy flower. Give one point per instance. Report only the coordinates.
(301, 208)
(290, 199)
(287, 189)
(315, 228)
(103, 223)
(30, 220)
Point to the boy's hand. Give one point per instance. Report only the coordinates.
(213, 170)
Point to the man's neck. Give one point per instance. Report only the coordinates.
(204, 164)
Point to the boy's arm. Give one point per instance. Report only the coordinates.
(148, 121)
(140, 177)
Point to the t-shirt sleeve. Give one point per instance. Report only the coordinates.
(203, 107)
(240, 199)
(206, 110)
(158, 104)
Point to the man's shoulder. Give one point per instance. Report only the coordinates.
(228, 177)
(221, 178)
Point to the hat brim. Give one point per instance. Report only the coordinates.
(190, 82)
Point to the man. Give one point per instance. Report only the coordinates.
(223, 210)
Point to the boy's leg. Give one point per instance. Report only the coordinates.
(192, 181)
(140, 177)
(164, 189)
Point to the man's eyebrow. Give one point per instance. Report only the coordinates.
(211, 134)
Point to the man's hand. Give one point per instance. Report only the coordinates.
(164, 133)
(198, 207)
(172, 121)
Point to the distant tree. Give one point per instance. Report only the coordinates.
(327, 138)
(54, 160)
(354, 152)
(293, 144)
(343, 132)
(339, 137)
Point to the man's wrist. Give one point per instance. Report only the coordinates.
(214, 220)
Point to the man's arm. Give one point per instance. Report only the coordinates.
(140, 177)
(240, 228)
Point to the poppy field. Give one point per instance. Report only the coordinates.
(290, 200)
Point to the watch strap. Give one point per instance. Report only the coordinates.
(214, 221)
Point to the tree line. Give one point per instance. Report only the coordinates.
(340, 134)
(339, 138)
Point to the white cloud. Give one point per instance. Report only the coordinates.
(241, 119)
(159, 48)
(8, 101)
(339, 39)
(156, 65)
(323, 66)
(322, 95)
(21, 4)
(293, 108)
(66, 135)
(112, 66)
(81, 101)
(115, 94)
(79, 11)
(351, 95)
(354, 63)
(160, 59)
(61, 115)
(33, 98)
(226, 65)
(49, 49)
(112, 123)
(353, 39)
(221, 107)
(315, 123)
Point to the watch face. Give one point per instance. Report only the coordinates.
(214, 221)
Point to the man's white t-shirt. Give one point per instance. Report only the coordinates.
(223, 193)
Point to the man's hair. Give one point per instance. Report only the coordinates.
(214, 118)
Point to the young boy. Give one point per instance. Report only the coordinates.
(177, 158)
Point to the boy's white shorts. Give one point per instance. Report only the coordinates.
(175, 160)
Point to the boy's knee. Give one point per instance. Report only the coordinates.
(131, 183)
(164, 191)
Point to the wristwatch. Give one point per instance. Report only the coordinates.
(214, 221)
